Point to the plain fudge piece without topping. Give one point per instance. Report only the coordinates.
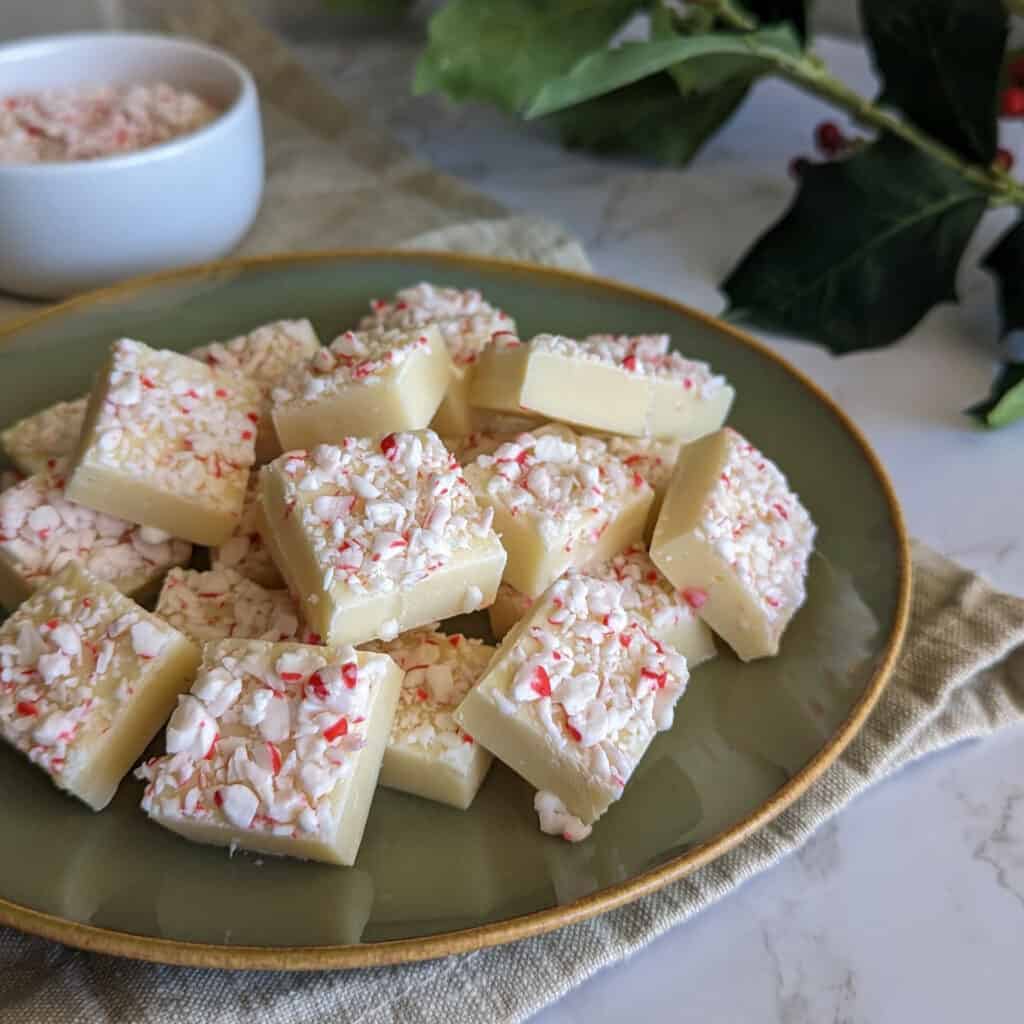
(221, 604)
(267, 356)
(41, 532)
(86, 680)
(467, 323)
(559, 500)
(363, 383)
(735, 540)
(575, 694)
(630, 385)
(167, 443)
(276, 749)
(379, 536)
(428, 754)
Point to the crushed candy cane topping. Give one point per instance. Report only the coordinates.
(71, 657)
(646, 355)
(41, 531)
(570, 486)
(555, 820)
(385, 514)
(355, 358)
(266, 355)
(439, 671)
(221, 604)
(244, 551)
(466, 320)
(265, 737)
(596, 683)
(652, 458)
(88, 122)
(176, 423)
(756, 523)
(41, 441)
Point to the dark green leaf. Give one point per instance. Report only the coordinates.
(868, 246)
(940, 63)
(1006, 402)
(503, 51)
(1006, 261)
(652, 118)
(609, 70)
(771, 12)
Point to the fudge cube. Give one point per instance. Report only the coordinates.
(41, 532)
(245, 550)
(654, 459)
(365, 383)
(735, 540)
(376, 537)
(575, 694)
(645, 593)
(466, 321)
(267, 356)
(559, 500)
(88, 678)
(41, 441)
(276, 749)
(428, 754)
(167, 443)
(623, 384)
(493, 430)
(221, 604)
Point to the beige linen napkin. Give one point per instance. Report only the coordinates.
(332, 182)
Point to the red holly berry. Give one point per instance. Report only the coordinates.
(829, 139)
(1012, 102)
(1003, 160)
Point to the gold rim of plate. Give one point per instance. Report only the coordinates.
(303, 958)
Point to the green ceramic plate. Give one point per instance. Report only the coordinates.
(430, 880)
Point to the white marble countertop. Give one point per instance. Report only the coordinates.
(909, 906)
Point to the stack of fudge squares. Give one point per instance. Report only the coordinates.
(306, 533)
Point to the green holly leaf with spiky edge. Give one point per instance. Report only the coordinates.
(651, 117)
(504, 51)
(940, 63)
(868, 246)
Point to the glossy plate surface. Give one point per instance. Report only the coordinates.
(747, 739)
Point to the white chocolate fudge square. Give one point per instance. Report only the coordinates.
(41, 441)
(86, 680)
(645, 594)
(735, 540)
(276, 749)
(41, 532)
(631, 385)
(167, 443)
(376, 537)
(364, 383)
(221, 604)
(428, 754)
(575, 694)
(559, 500)
(466, 321)
(654, 459)
(245, 550)
(267, 355)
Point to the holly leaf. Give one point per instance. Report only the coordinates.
(1006, 402)
(868, 246)
(651, 117)
(940, 62)
(503, 51)
(608, 70)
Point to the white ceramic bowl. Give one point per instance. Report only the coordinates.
(67, 227)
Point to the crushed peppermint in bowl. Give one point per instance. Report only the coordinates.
(110, 132)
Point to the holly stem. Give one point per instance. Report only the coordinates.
(809, 73)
